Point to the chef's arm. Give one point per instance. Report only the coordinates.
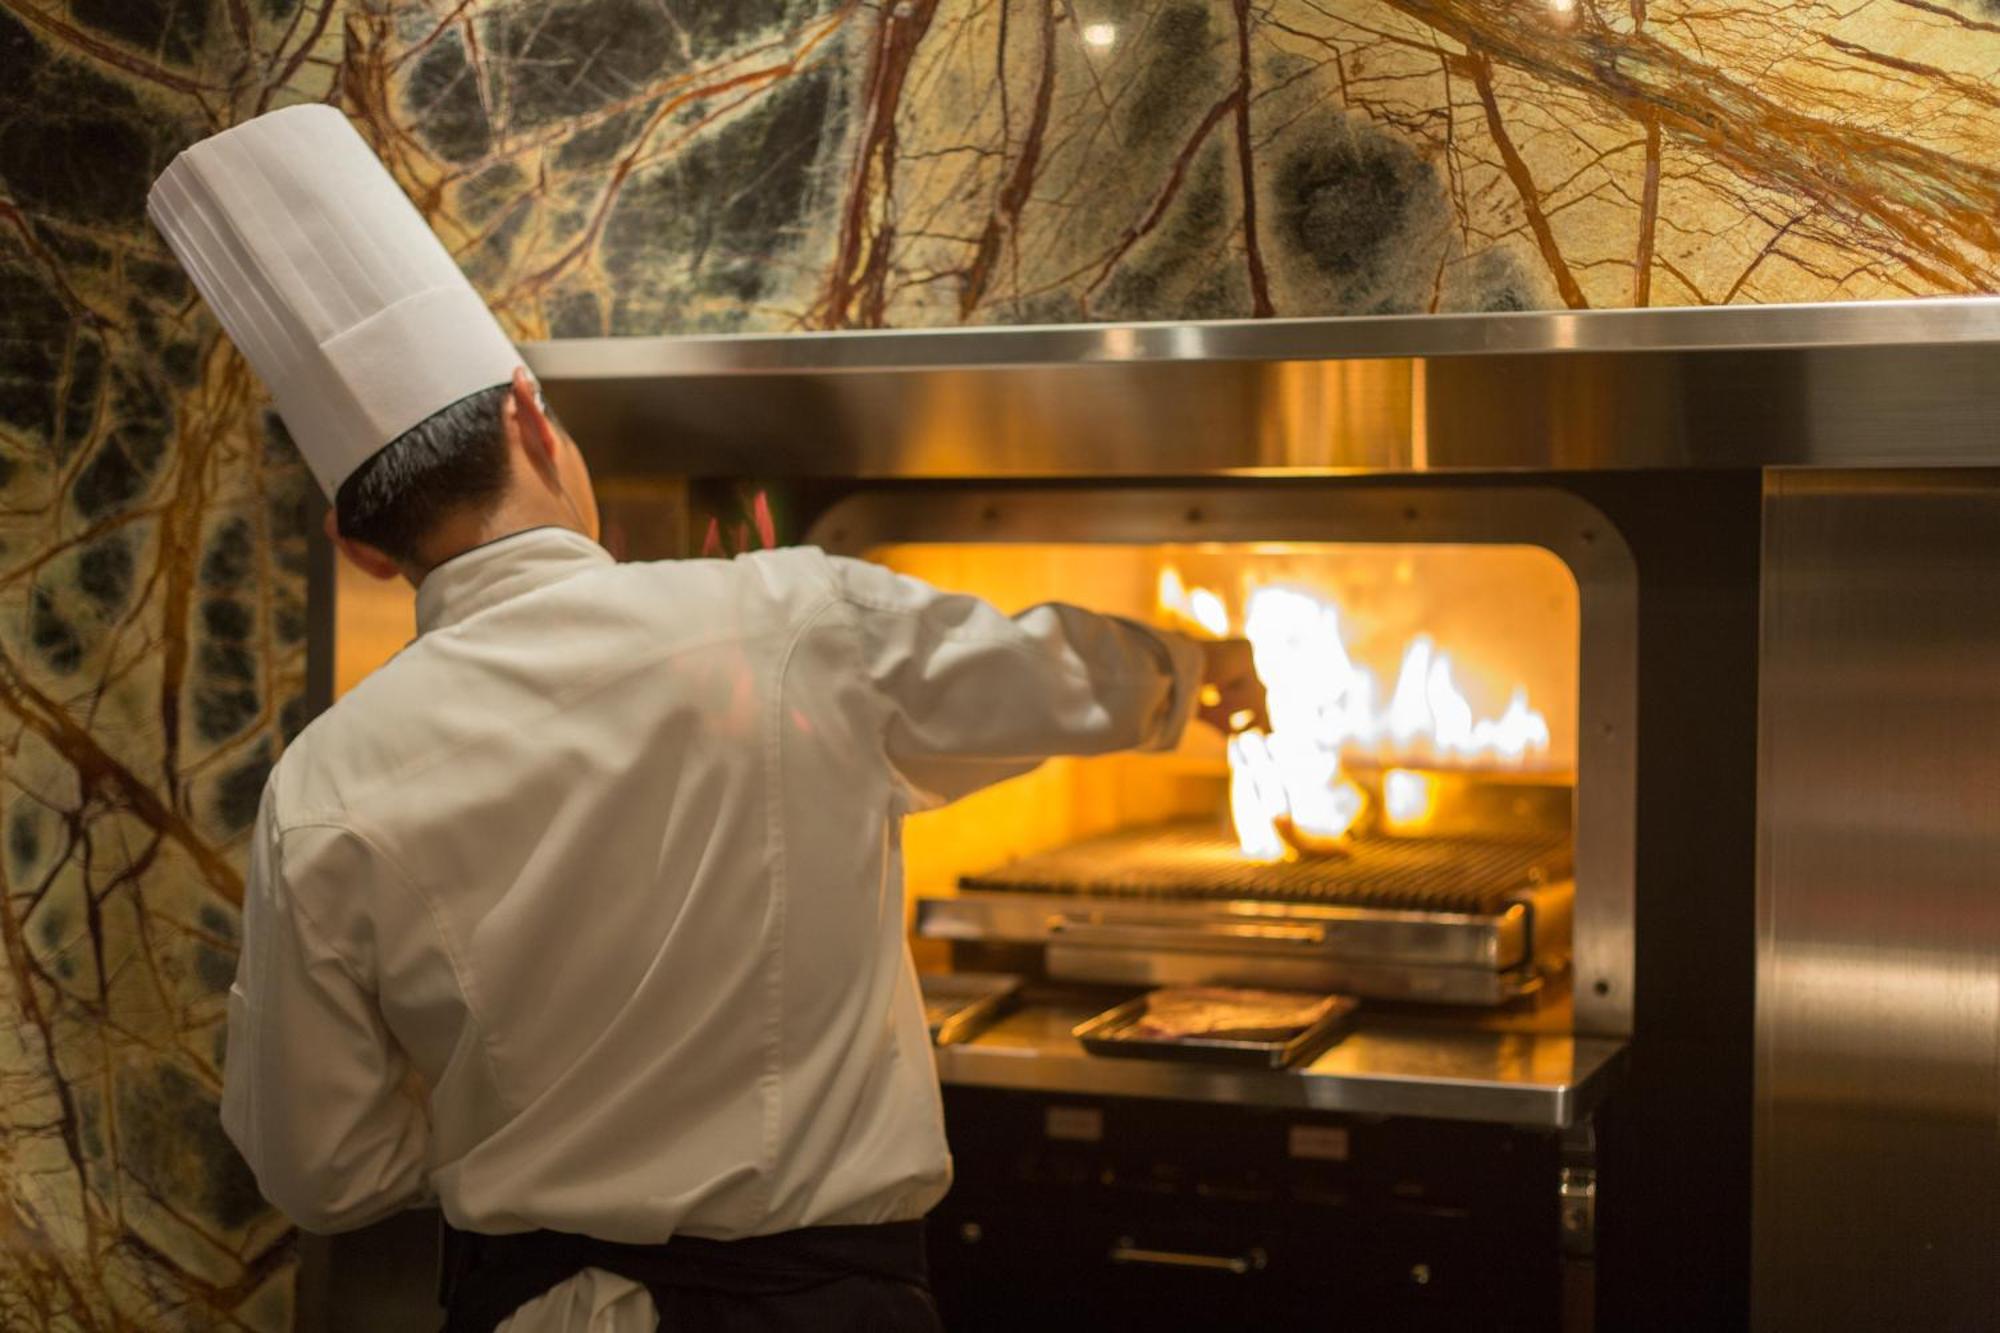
(314, 1091)
(975, 696)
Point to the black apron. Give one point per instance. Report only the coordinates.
(870, 1279)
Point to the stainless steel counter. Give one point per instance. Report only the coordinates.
(1386, 1066)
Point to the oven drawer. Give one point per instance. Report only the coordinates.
(1012, 1265)
(1138, 1214)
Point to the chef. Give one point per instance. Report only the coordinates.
(582, 917)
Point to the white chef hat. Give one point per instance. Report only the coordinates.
(329, 282)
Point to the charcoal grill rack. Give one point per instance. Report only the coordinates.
(1457, 920)
(1195, 861)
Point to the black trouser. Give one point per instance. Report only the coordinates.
(816, 1280)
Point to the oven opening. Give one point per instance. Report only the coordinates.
(1400, 829)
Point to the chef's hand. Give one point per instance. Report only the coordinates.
(1232, 698)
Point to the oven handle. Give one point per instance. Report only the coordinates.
(1189, 935)
(1125, 1252)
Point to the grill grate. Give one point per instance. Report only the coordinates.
(1196, 862)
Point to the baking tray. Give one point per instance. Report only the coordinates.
(960, 1005)
(1102, 1036)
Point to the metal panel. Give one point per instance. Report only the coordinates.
(1432, 939)
(1894, 405)
(1878, 1011)
(1405, 983)
(1304, 511)
(1041, 421)
(1880, 383)
(1538, 1079)
(1826, 324)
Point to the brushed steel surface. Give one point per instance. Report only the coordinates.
(1381, 1068)
(1887, 384)
(1432, 938)
(1148, 419)
(1301, 510)
(1877, 1151)
(1824, 324)
(1421, 983)
(1846, 406)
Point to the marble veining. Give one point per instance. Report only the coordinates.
(645, 166)
(811, 165)
(152, 652)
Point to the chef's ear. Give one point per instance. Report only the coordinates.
(528, 413)
(365, 557)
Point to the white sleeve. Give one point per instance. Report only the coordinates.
(315, 1090)
(975, 696)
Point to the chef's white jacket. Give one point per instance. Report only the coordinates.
(585, 911)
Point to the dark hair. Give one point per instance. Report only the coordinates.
(454, 459)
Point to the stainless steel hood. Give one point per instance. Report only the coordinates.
(1857, 384)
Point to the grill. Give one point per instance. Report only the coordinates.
(1195, 862)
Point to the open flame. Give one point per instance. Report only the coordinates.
(1197, 606)
(1287, 787)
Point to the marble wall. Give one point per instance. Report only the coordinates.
(152, 624)
(635, 166)
(781, 165)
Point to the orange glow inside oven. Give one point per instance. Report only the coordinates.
(1408, 685)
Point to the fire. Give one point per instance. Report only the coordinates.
(1288, 790)
(1409, 798)
(1199, 607)
(1429, 717)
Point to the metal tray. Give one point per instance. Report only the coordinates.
(1102, 1036)
(960, 1005)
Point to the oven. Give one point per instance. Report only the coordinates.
(1454, 665)
(1438, 820)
